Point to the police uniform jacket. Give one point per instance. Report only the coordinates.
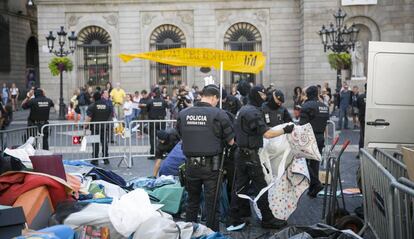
(250, 127)
(39, 109)
(99, 111)
(156, 108)
(203, 130)
(277, 116)
(317, 114)
(232, 104)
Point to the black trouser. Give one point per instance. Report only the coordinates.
(249, 168)
(313, 165)
(103, 131)
(153, 128)
(361, 133)
(39, 126)
(196, 178)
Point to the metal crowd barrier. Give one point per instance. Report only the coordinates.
(388, 204)
(395, 166)
(143, 133)
(16, 137)
(66, 139)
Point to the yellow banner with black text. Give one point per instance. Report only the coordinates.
(238, 61)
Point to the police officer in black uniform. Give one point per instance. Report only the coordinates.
(250, 129)
(156, 111)
(96, 112)
(273, 111)
(167, 139)
(204, 130)
(361, 104)
(317, 114)
(230, 103)
(39, 112)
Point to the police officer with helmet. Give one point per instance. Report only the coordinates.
(156, 108)
(317, 114)
(204, 130)
(230, 103)
(97, 112)
(250, 129)
(39, 112)
(273, 111)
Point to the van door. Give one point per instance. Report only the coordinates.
(389, 119)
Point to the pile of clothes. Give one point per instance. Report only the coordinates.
(75, 199)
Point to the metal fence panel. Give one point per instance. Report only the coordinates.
(16, 137)
(142, 134)
(393, 165)
(403, 202)
(376, 184)
(105, 140)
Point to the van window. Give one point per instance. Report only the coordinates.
(387, 90)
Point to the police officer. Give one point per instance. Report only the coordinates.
(250, 129)
(230, 103)
(167, 139)
(156, 111)
(98, 111)
(204, 130)
(39, 112)
(361, 104)
(273, 111)
(317, 114)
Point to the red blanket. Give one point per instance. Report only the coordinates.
(15, 184)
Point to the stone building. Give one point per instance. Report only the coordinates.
(19, 58)
(285, 30)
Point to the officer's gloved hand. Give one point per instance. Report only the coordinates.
(288, 128)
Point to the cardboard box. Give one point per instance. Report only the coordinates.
(12, 222)
(408, 157)
(37, 211)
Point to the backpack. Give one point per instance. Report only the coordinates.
(82, 99)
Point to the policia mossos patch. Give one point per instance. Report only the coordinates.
(199, 120)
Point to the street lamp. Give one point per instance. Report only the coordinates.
(61, 52)
(338, 38)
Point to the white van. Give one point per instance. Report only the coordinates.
(389, 119)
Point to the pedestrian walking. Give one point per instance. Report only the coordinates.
(354, 105)
(344, 103)
(203, 129)
(273, 111)
(317, 114)
(250, 129)
(14, 92)
(83, 102)
(99, 111)
(5, 94)
(361, 104)
(118, 96)
(39, 112)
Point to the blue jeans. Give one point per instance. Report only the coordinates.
(343, 117)
(83, 112)
(5, 100)
(135, 113)
(128, 119)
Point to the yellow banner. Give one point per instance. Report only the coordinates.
(239, 61)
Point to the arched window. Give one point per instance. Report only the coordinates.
(94, 56)
(167, 37)
(242, 36)
(32, 62)
(4, 45)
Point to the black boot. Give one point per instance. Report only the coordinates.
(274, 224)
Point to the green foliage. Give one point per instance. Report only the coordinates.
(54, 65)
(339, 61)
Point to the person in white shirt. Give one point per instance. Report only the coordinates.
(135, 100)
(14, 92)
(128, 109)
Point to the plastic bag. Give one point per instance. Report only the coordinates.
(315, 231)
(131, 211)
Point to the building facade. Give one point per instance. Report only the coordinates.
(285, 30)
(19, 58)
